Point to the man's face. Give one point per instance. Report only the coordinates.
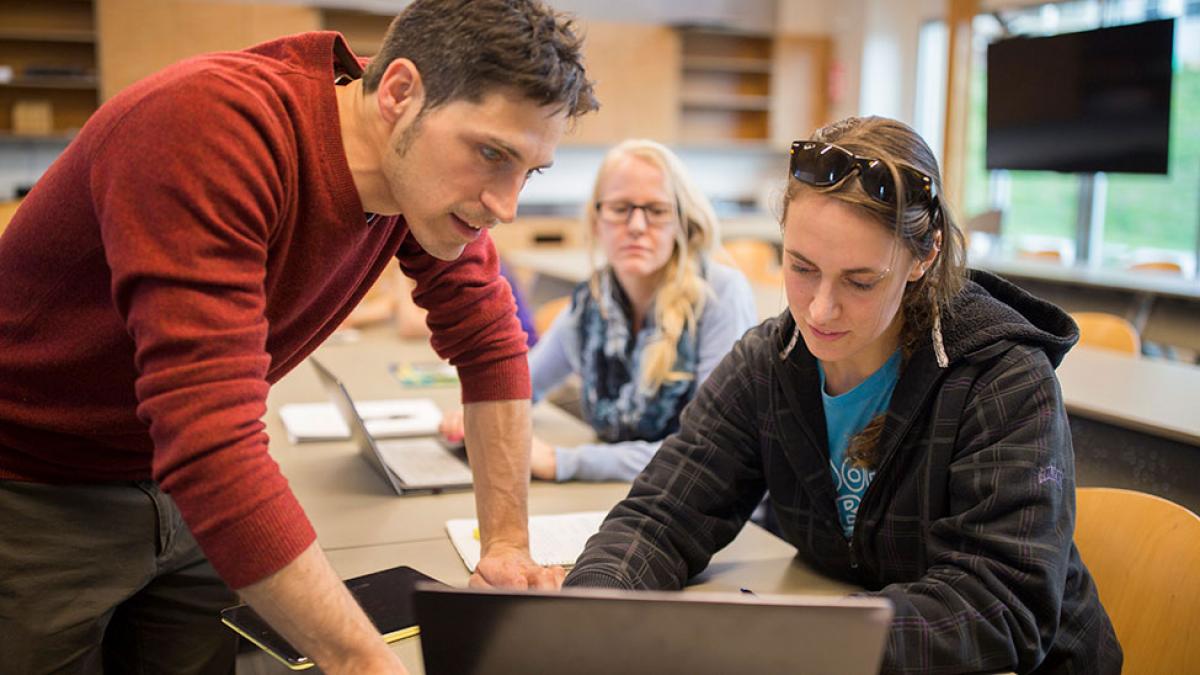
(459, 168)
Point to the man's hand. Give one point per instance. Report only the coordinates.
(543, 463)
(339, 637)
(511, 567)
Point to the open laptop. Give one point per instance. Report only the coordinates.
(584, 631)
(409, 465)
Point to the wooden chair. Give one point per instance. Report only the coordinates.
(1107, 331)
(1144, 553)
(7, 211)
(1159, 266)
(544, 316)
(1047, 256)
(756, 259)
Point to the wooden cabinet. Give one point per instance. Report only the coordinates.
(363, 31)
(139, 37)
(743, 88)
(636, 70)
(48, 81)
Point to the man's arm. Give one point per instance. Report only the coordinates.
(307, 603)
(498, 437)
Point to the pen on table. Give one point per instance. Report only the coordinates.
(747, 591)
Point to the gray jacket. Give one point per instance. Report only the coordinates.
(967, 526)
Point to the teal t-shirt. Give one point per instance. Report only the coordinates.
(845, 416)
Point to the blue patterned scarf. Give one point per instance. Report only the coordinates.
(613, 403)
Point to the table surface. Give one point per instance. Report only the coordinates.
(1156, 283)
(364, 527)
(1155, 397)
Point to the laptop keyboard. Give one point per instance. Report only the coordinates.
(423, 463)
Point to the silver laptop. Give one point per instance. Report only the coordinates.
(409, 465)
(584, 631)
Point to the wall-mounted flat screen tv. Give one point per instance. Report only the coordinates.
(1098, 100)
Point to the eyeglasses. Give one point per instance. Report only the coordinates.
(658, 214)
(825, 164)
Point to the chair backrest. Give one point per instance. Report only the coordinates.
(544, 316)
(756, 259)
(1048, 255)
(1144, 553)
(1163, 266)
(1107, 331)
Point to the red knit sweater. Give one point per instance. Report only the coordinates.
(195, 242)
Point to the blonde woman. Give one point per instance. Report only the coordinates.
(647, 328)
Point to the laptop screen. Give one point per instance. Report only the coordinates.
(345, 405)
(603, 631)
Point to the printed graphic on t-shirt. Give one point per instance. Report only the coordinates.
(851, 483)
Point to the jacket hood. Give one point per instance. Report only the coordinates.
(987, 312)
(990, 310)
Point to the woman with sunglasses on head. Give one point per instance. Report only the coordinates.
(645, 330)
(905, 419)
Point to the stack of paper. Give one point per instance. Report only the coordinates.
(553, 540)
(393, 418)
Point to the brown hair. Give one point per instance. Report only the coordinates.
(465, 49)
(916, 226)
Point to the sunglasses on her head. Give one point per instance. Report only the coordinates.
(825, 164)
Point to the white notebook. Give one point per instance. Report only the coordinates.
(391, 418)
(553, 540)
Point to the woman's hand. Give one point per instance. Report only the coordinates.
(543, 464)
(451, 427)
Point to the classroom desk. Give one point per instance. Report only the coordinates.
(351, 505)
(364, 527)
(1153, 397)
(1165, 308)
(755, 560)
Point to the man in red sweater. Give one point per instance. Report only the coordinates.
(205, 231)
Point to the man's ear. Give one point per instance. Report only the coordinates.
(401, 92)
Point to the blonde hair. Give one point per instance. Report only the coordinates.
(680, 298)
(917, 227)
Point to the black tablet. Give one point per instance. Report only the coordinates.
(385, 596)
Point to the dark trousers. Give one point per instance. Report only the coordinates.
(106, 578)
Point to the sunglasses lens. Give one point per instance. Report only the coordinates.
(819, 164)
(877, 181)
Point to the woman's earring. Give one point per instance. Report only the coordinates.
(790, 345)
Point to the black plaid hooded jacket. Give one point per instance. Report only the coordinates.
(967, 526)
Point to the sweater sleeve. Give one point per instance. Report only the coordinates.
(991, 597)
(185, 215)
(473, 318)
(728, 314)
(693, 497)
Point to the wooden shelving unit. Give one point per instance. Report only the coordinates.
(48, 57)
(726, 87)
(363, 30)
(742, 89)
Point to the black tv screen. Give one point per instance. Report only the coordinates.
(1099, 100)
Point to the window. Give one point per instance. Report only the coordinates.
(1141, 218)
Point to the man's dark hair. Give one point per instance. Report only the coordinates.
(465, 49)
